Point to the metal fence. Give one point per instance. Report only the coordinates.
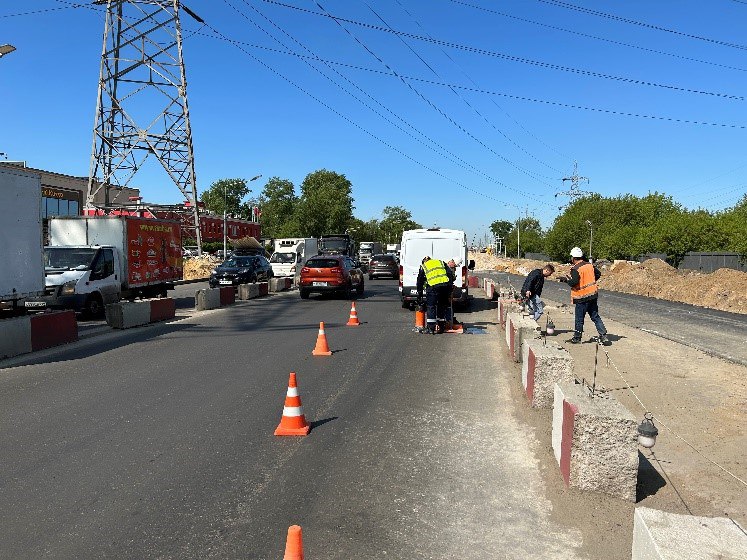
(708, 262)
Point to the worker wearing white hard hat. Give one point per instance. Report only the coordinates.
(584, 293)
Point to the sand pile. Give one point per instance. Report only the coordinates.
(200, 267)
(725, 289)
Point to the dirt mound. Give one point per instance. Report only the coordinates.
(725, 289)
(200, 267)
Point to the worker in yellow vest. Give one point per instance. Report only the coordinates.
(437, 279)
(584, 292)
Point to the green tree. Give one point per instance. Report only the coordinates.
(396, 220)
(225, 194)
(365, 231)
(278, 203)
(326, 203)
(732, 222)
(501, 229)
(530, 236)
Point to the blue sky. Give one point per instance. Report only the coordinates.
(499, 140)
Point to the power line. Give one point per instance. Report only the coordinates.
(428, 101)
(597, 38)
(508, 57)
(614, 17)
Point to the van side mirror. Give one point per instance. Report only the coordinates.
(471, 264)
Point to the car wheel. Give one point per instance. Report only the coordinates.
(346, 293)
(304, 293)
(359, 288)
(370, 276)
(94, 306)
(405, 304)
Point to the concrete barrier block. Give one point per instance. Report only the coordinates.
(53, 329)
(209, 298)
(658, 535)
(595, 441)
(472, 281)
(490, 289)
(506, 305)
(15, 336)
(542, 366)
(248, 291)
(128, 314)
(162, 309)
(279, 284)
(264, 288)
(227, 295)
(519, 329)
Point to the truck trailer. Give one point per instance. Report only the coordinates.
(21, 262)
(367, 249)
(95, 260)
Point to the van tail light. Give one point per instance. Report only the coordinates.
(464, 277)
(401, 275)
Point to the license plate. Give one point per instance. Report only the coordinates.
(318, 283)
(225, 282)
(35, 304)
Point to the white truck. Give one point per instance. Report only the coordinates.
(95, 260)
(291, 253)
(21, 263)
(367, 249)
(437, 243)
(393, 249)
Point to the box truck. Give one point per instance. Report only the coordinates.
(367, 249)
(291, 253)
(437, 243)
(21, 263)
(96, 260)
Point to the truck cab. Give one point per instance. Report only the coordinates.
(82, 278)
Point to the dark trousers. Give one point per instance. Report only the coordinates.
(591, 308)
(436, 301)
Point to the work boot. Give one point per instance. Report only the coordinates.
(604, 339)
(575, 340)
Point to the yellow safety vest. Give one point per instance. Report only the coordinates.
(435, 272)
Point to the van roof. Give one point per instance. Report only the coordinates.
(433, 233)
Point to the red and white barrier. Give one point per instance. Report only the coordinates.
(128, 314)
(30, 333)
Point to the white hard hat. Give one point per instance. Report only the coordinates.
(577, 253)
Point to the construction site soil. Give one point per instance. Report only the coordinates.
(724, 289)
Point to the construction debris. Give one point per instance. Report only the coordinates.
(724, 289)
(200, 267)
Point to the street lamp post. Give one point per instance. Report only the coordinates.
(591, 236)
(225, 209)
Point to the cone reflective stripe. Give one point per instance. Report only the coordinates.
(353, 321)
(293, 422)
(294, 544)
(321, 348)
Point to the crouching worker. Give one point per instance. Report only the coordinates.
(531, 290)
(435, 277)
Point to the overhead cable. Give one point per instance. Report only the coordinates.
(597, 38)
(614, 17)
(508, 57)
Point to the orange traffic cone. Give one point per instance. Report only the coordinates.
(353, 321)
(419, 319)
(294, 544)
(321, 348)
(293, 422)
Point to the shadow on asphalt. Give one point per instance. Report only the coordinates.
(316, 423)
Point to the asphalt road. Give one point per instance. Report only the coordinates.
(157, 442)
(715, 332)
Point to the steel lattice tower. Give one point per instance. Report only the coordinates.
(142, 107)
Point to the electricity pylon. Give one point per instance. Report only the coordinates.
(575, 191)
(142, 107)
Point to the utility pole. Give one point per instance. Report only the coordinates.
(142, 108)
(574, 191)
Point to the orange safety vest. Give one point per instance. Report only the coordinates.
(587, 284)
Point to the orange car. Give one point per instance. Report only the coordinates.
(330, 273)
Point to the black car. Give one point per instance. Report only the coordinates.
(241, 270)
(383, 265)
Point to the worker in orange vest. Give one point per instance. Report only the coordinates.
(584, 292)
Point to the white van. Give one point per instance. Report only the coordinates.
(438, 243)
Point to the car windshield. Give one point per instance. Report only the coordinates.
(68, 258)
(283, 258)
(322, 263)
(237, 262)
